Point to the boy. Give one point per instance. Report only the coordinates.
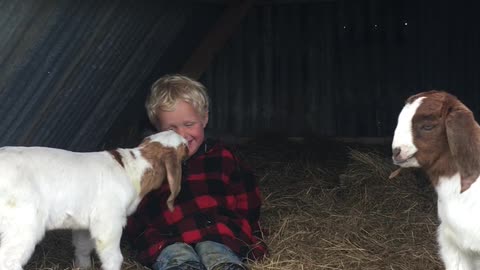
(215, 221)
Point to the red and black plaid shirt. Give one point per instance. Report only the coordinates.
(219, 201)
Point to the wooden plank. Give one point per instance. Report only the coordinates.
(269, 2)
(216, 38)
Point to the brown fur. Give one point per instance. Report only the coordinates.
(452, 144)
(166, 163)
(116, 155)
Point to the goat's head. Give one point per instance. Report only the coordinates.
(438, 133)
(165, 151)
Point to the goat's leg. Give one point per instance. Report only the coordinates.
(107, 235)
(476, 262)
(452, 256)
(18, 243)
(83, 248)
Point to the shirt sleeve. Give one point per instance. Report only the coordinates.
(248, 204)
(247, 195)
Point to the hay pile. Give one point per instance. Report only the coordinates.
(327, 205)
(330, 206)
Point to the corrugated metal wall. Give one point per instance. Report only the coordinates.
(342, 68)
(69, 68)
(72, 72)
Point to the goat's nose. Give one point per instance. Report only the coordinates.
(396, 152)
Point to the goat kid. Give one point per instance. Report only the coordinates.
(92, 193)
(439, 134)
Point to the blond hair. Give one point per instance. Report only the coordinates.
(167, 90)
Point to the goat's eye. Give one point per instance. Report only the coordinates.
(427, 127)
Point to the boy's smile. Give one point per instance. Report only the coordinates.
(184, 120)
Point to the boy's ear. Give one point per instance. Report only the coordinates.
(205, 120)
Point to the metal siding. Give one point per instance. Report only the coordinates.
(68, 68)
(342, 68)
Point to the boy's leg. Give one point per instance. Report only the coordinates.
(216, 256)
(178, 256)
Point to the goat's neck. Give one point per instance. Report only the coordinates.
(465, 162)
(134, 165)
(443, 166)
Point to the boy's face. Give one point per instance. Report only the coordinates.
(185, 121)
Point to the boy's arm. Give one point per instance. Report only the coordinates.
(247, 195)
(248, 204)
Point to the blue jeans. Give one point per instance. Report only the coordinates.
(204, 255)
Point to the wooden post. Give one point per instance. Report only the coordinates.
(216, 38)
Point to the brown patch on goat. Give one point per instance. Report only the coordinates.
(447, 137)
(166, 163)
(422, 94)
(433, 151)
(117, 156)
(145, 141)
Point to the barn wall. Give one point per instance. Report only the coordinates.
(70, 68)
(341, 68)
(74, 74)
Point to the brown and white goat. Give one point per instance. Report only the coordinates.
(439, 134)
(92, 193)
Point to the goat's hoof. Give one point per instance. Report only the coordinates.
(83, 263)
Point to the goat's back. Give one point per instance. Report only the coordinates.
(65, 187)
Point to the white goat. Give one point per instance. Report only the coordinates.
(92, 193)
(438, 133)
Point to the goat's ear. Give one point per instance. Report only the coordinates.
(463, 135)
(173, 168)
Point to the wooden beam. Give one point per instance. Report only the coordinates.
(216, 38)
(282, 2)
(267, 2)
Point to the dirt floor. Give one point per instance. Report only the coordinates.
(327, 205)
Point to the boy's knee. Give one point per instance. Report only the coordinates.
(177, 255)
(178, 248)
(218, 256)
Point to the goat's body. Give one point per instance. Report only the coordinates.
(44, 188)
(438, 133)
(459, 230)
(92, 193)
(77, 185)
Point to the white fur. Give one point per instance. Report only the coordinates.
(403, 137)
(459, 230)
(168, 138)
(45, 188)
